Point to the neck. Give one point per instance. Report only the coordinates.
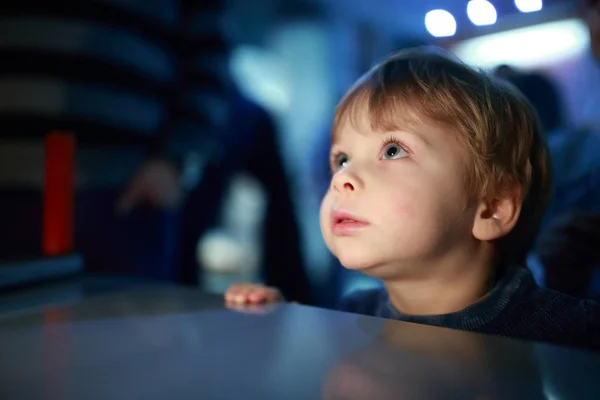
(450, 285)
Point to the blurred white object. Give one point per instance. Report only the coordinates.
(226, 261)
(526, 48)
(440, 23)
(260, 75)
(232, 252)
(481, 12)
(219, 252)
(244, 209)
(527, 6)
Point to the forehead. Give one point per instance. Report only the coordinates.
(362, 113)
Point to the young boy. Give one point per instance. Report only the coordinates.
(440, 179)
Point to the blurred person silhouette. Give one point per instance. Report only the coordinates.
(591, 15)
(253, 148)
(145, 87)
(570, 250)
(542, 92)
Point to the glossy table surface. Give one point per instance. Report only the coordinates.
(147, 341)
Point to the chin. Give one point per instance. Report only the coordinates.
(374, 266)
(355, 262)
(355, 255)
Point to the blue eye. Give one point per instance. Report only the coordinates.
(394, 151)
(341, 161)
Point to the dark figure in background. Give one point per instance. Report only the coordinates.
(570, 255)
(253, 148)
(543, 94)
(142, 85)
(145, 87)
(568, 248)
(592, 19)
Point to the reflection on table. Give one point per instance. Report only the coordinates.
(156, 342)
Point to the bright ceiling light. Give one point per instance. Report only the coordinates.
(528, 6)
(440, 23)
(481, 12)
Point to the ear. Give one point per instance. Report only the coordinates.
(495, 218)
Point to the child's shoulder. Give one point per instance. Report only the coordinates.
(371, 301)
(555, 304)
(551, 316)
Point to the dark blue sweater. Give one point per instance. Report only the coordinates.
(516, 308)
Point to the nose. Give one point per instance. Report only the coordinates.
(346, 181)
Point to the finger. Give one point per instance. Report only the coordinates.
(259, 295)
(243, 293)
(230, 295)
(242, 296)
(238, 287)
(272, 295)
(265, 294)
(234, 290)
(256, 294)
(256, 309)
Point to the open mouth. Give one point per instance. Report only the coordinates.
(344, 223)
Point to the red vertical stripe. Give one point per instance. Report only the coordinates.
(59, 178)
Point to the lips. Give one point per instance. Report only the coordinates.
(346, 224)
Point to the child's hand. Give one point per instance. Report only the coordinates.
(250, 293)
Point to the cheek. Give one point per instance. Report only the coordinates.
(406, 198)
(324, 213)
(427, 203)
(404, 208)
(407, 192)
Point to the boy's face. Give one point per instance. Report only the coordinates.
(407, 191)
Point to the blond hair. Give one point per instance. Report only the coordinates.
(495, 124)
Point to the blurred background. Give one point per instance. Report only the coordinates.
(187, 141)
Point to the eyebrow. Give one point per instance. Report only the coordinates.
(410, 132)
(420, 137)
